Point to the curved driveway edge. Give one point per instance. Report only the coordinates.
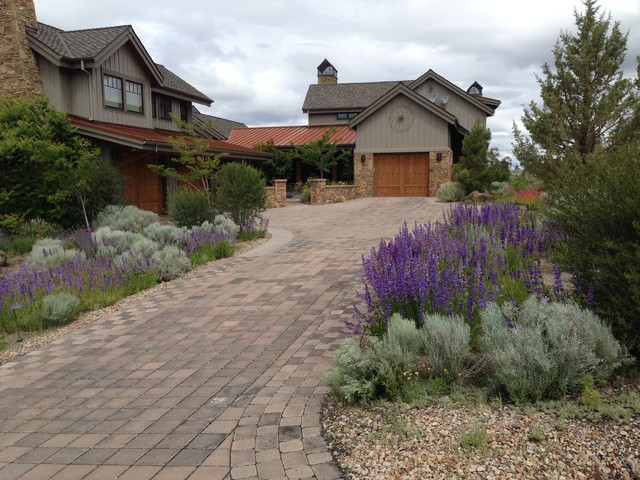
(217, 376)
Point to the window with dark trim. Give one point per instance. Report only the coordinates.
(113, 92)
(164, 107)
(130, 98)
(184, 111)
(134, 97)
(346, 116)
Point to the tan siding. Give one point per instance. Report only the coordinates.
(465, 112)
(80, 95)
(428, 132)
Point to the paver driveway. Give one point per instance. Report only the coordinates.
(216, 376)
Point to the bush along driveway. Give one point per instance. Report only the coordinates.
(218, 375)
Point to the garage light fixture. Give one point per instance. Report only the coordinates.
(363, 158)
(439, 156)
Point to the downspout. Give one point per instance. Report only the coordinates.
(90, 90)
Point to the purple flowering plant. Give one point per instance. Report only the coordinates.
(475, 255)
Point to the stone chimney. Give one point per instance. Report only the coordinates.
(19, 72)
(327, 73)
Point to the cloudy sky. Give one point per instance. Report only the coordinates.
(257, 58)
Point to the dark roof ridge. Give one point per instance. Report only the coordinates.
(85, 29)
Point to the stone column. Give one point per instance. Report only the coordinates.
(439, 170)
(19, 72)
(363, 173)
(280, 192)
(317, 191)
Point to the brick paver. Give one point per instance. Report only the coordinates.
(216, 376)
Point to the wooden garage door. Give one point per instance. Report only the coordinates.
(401, 175)
(142, 187)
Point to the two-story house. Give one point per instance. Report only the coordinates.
(118, 97)
(406, 134)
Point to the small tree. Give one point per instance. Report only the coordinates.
(240, 192)
(479, 165)
(322, 153)
(586, 103)
(45, 166)
(195, 155)
(280, 165)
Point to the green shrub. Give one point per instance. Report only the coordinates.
(305, 195)
(450, 192)
(240, 192)
(188, 207)
(210, 252)
(596, 205)
(21, 245)
(11, 222)
(51, 253)
(383, 368)
(544, 350)
(163, 234)
(143, 248)
(223, 223)
(39, 228)
(114, 241)
(129, 218)
(59, 309)
(170, 263)
(446, 342)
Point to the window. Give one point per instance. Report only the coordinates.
(115, 97)
(112, 92)
(347, 116)
(184, 111)
(164, 107)
(134, 97)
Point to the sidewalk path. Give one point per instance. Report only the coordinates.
(217, 376)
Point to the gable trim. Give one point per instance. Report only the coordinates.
(431, 75)
(411, 95)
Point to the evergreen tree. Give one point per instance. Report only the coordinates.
(479, 165)
(587, 105)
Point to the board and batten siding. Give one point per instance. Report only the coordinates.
(465, 112)
(125, 64)
(428, 132)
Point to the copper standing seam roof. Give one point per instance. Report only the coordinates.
(146, 137)
(288, 136)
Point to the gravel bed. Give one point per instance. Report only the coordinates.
(34, 340)
(395, 441)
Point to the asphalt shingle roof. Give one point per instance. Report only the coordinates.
(77, 44)
(87, 44)
(221, 125)
(345, 95)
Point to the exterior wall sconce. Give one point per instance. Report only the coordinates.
(439, 156)
(363, 158)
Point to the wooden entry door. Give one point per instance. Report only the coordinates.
(142, 187)
(401, 175)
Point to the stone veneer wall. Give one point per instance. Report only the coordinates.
(322, 194)
(19, 72)
(439, 171)
(363, 173)
(277, 195)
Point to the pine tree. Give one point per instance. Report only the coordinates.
(587, 104)
(479, 165)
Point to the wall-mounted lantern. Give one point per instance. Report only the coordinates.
(363, 158)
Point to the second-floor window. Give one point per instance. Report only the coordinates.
(113, 92)
(184, 111)
(346, 116)
(129, 98)
(164, 107)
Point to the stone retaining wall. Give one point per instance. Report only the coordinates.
(277, 195)
(322, 194)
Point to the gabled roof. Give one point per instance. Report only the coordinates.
(431, 75)
(221, 126)
(171, 81)
(289, 136)
(403, 90)
(92, 46)
(345, 96)
(155, 139)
